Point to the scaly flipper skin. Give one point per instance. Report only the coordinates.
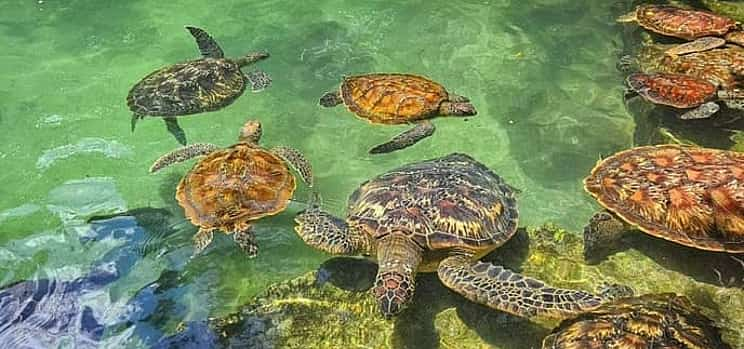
(406, 139)
(699, 45)
(704, 111)
(175, 129)
(202, 239)
(259, 79)
(330, 234)
(246, 240)
(297, 161)
(331, 99)
(181, 155)
(507, 291)
(398, 258)
(207, 45)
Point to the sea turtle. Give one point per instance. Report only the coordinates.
(688, 195)
(684, 92)
(206, 84)
(438, 215)
(723, 67)
(678, 22)
(231, 187)
(654, 321)
(382, 98)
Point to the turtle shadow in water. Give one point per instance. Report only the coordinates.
(659, 125)
(415, 327)
(715, 268)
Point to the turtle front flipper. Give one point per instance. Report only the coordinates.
(181, 155)
(406, 139)
(207, 45)
(327, 233)
(331, 99)
(202, 239)
(297, 161)
(703, 111)
(698, 45)
(172, 125)
(502, 289)
(246, 240)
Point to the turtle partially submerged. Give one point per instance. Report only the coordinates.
(691, 196)
(697, 95)
(232, 187)
(438, 215)
(678, 22)
(655, 321)
(202, 85)
(398, 99)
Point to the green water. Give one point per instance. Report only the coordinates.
(541, 74)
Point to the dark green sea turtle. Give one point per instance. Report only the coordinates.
(655, 321)
(231, 187)
(206, 84)
(398, 99)
(438, 215)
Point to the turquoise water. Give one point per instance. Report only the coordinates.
(541, 74)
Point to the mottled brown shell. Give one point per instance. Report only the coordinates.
(446, 203)
(662, 321)
(722, 66)
(232, 186)
(682, 23)
(392, 98)
(187, 88)
(676, 90)
(692, 196)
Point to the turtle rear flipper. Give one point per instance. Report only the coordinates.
(704, 111)
(202, 239)
(172, 125)
(405, 139)
(207, 45)
(297, 161)
(245, 238)
(259, 79)
(502, 289)
(331, 99)
(181, 155)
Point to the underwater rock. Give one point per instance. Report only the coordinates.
(330, 309)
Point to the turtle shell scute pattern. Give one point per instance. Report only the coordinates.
(392, 98)
(232, 186)
(442, 203)
(682, 23)
(722, 66)
(657, 321)
(676, 90)
(187, 88)
(692, 196)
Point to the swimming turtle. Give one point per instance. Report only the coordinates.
(437, 215)
(723, 67)
(383, 98)
(654, 321)
(231, 187)
(678, 22)
(202, 85)
(684, 92)
(688, 195)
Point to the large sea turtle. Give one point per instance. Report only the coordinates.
(438, 215)
(688, 195)
(231, 187)
(383, 98)
(680, 23)
(206, 84)
(655, 321)
(697, 96)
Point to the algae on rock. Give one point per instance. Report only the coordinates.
(330, 308)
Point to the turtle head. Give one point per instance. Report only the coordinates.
(251, 132)
(393, 290)
(457, 109)
(602, 236)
